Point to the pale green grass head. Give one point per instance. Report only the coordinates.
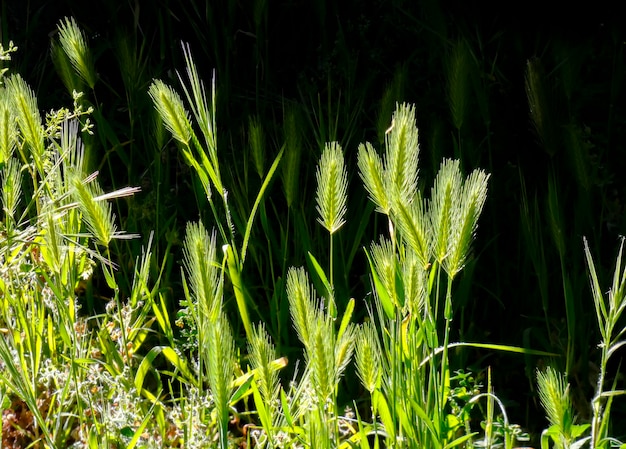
(386, 263)
(74, 44)
(332, 185)
(368, 356)
(204, 274)
(11, 178)
(465, 221)
(8, 129)
(372, 173)
(402, 154)
(172, 111)
(555, 398)
(444, 205)
(221, 368)
(393, 178)
(455, 206)
(23, 104)
(302, 303)
(262, 354)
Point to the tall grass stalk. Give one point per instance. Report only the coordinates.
(608, 313)
(332, 186)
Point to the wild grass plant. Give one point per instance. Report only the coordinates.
(114, 367)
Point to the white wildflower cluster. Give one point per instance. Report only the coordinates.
(280, 439)
(191, 418)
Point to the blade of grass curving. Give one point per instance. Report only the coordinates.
(264, 186)
(241, 293)
(328, 288)
(504, 348)
(345, 321)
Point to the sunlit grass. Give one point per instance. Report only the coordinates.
(191, 357)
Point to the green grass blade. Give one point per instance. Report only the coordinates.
(264, 186)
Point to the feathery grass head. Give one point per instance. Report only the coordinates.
(23, 104)
(65, 70)
(220, 352)
(262, 354)
(414, 281)
(320, 357)
(98, 215)
(170, 107)
(301, 303)
(8, 130)
(465, 221)
(555, 400)
(385, 264)
(412, 221)
(444, 205)
(402, 153)
(332, 185)
(395, 178)
(203, 113)
(74, 44)
(203, 271)
(11, 188)
(368, 356)
(539, 103)
(372, 173)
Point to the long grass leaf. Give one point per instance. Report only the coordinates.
(257, 201)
